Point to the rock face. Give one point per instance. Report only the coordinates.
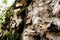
(32, 20)
(42, 19)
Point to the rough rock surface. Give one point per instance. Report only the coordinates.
(43, 20)
(32, 20)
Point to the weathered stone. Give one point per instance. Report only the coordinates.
(43, 13)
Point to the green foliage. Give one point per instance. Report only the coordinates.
(5, 1)
(5, 20)
(10, 36)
